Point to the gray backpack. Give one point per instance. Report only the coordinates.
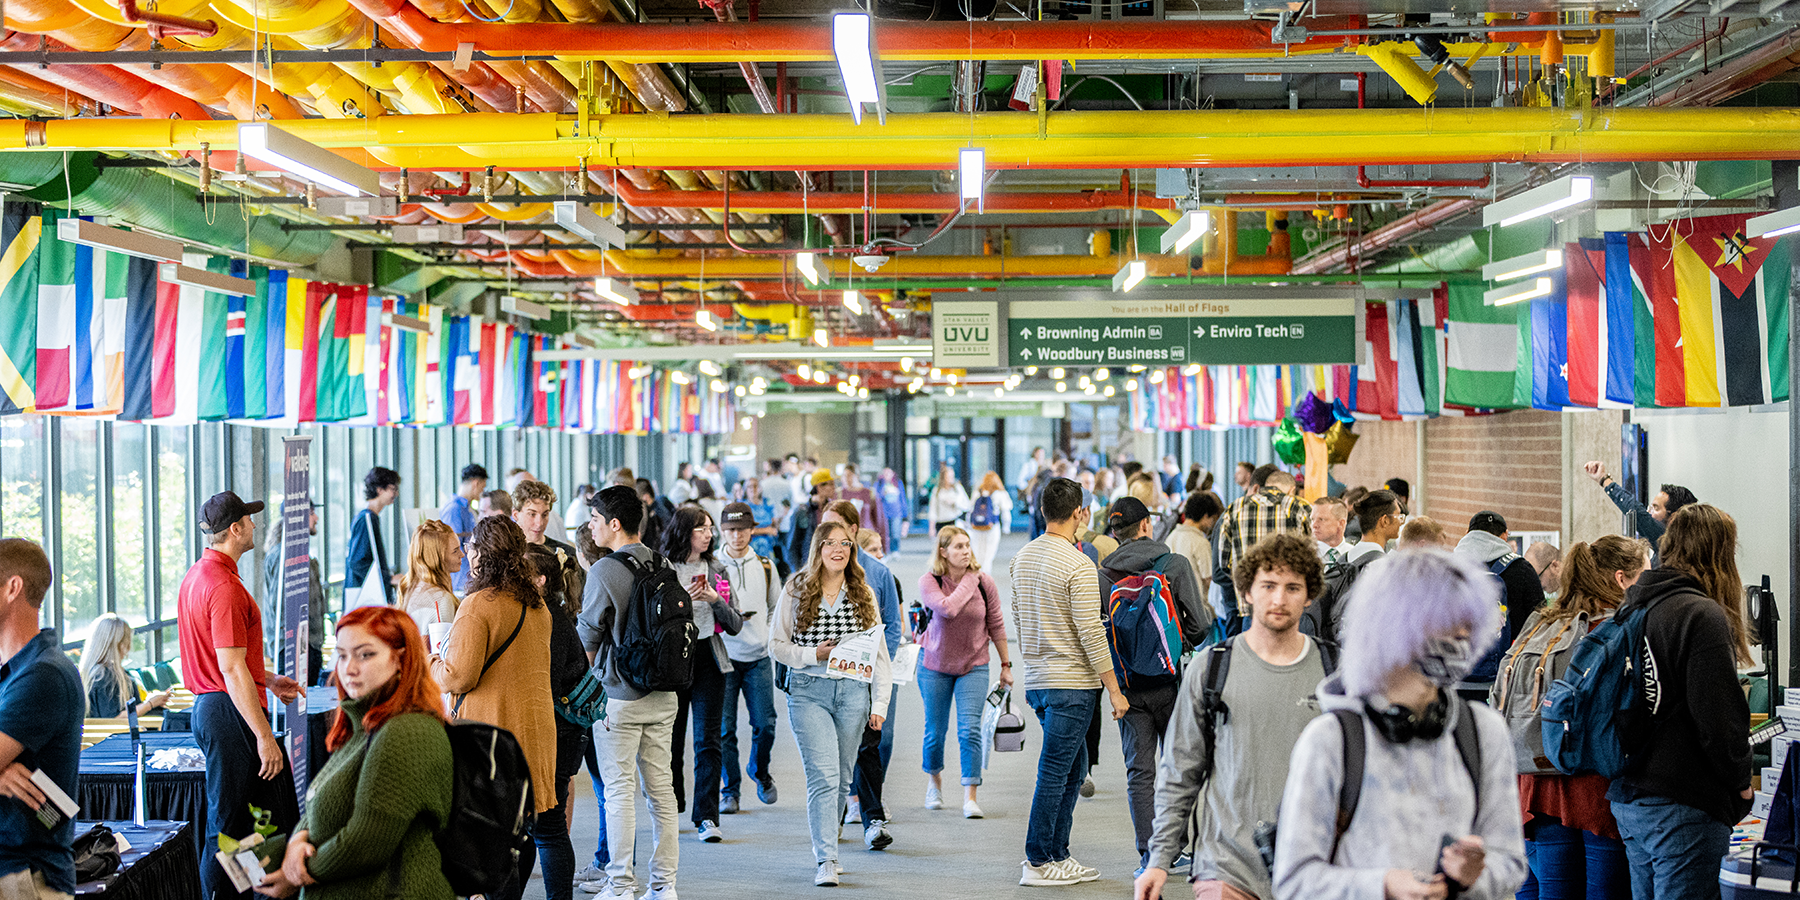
(1534, 662)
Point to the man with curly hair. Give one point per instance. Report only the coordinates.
(1225, 773)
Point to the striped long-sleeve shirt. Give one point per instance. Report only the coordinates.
(1056, 601)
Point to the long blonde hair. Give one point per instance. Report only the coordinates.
(946, 534)
(425, 558)
(808, 589)
(104, 656)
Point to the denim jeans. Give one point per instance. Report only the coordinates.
(1674, 849)
(593, 767)
(550, 832)
(828, 716)
(1062, 765)
(970, 693)
(1141, 732)
(756, 682)
(1570, 864)
(872, 757)
(707, 708)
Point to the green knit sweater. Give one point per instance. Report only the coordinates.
(372, 811)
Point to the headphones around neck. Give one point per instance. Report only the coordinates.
(1398, 724)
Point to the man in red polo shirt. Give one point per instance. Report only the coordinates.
(222, 663)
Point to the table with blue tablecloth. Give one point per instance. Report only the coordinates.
(109, 770)
(159, 866)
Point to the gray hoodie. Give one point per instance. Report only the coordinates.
(1138, 556)
(1413, 795)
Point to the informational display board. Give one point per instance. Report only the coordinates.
(296, 552)
(1167, 329)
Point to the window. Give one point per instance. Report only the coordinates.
(22, 447)
(78, 525)
(130, 531)
(174, 517)
(338, 500)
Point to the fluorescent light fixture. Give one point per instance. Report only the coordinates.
(708, 367)
(1131, 384)
(821, 378)
(1539, 201)
(616, 290)
(853, 302)
(574, 217)
(1191, 369)
(118, 240)
(821, 338)
(853, 43)
(404, 323)
(680, 377)
(1101, 374)
(805, 372)
(705, 319)
(519, 306)
(426, 234)
(1062, 386)
(808, 263)
(1129, 276)
(1520, 266)
(1775, 224)
(1515, 293)
(345, 207)
(971, 171)
(298, 156)
(188, 276)
(718, 387)
(1185, 231)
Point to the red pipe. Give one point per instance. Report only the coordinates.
(160, 24)
(796, 201)
(1363, 180)
(808, 41)
(1387, 235)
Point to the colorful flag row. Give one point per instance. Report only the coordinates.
(90, 332)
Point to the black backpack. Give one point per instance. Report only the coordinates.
(1323, 615)
(655, 651)
(492, 807)
(1213, 709)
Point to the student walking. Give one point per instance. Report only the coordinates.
(1224, 772)
(965, 619)
(688, 544)
(1056, 599)
(990, 516)
(753, 591)
(367, 575)
(1687, 776)
(823, 604)
(949, 499)
(1432, 777)
(375, 808)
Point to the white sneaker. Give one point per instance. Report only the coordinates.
(970, 810)
(666, 892)
(710, 833)
(877, 836)
(853, 812)
(604, 891)
(934, 797)
(1081, 872)
(591, 873)
(1051, 874)
(827, 876)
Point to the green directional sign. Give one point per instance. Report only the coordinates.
(1169, 330)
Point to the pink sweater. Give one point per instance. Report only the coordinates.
(961, 623)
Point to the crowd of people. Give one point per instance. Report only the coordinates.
(1339, 667)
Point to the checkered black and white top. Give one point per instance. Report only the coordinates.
(833, 625)
(798, 649)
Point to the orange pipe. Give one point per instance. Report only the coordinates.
(846, 201)
(810, 42)
(110, 85)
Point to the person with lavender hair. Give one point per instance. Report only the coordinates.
(1423, 829)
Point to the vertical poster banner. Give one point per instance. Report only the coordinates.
(296, 577)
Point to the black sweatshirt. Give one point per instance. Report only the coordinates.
(1690, 733)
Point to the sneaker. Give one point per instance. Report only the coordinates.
(970, 810)
(934, 797)
(594, 886)
(1051, 874)
(604, 890)
(765, 790)
(710, 833)
(1087, 787)
(1183, 862)
(666, 892)
(853, 812)
(728, 806)
(590, 873)
(827, 876)
(877, 836)
(1081, 872)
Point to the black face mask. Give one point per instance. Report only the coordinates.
(1398, 724)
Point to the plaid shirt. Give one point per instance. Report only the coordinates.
(1254, 517)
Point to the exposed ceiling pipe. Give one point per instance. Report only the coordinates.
(895, 202)
(110, 85)
(1778, 57)
(1386, 236)
(898, 40)
(995, 266)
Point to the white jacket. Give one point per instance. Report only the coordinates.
(948, 505)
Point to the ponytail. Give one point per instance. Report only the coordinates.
(1587, 575)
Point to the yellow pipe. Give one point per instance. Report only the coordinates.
(1400, 66)
(797, 318)
(1155, 139)
(522, 212)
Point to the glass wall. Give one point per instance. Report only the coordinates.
(116, 504)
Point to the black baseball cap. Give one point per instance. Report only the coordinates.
(737, 515)
(1489, 521)
(1126, 512)
(224, 509)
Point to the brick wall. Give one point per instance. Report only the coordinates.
(1383, 450)
(1510, 463)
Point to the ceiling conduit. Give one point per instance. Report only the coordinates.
(996, 266)
(893, 202)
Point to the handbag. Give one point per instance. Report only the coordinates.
(584, 705)
(96, 854)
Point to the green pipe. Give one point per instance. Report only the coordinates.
(144, 198)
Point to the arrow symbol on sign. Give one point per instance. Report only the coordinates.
(1024, 332)
(1025, 353)
(1200, 331)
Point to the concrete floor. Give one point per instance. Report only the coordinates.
(935, 853)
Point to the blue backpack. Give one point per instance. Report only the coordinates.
(1488, 669)
(1586, 711)
(981, 515)
(1143, 628)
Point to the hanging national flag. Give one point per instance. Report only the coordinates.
(237, 311)
(1584, 271)
(56, 315)
(213, 399)
(1733, 304)
(1631, 345)
(482, 409)
(1378, 382)
(1549, 372)
(21, 230)
(309, 327)
(256, 346)
(524, 367)
(464, 377)
(1481, 349)
(139, 340)
(1409, 357)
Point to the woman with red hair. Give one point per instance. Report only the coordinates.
(374, 809)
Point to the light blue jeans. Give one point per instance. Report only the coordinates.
(828, 716)
(970, 693)
(1674, 849)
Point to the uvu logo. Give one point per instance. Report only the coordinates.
(966, 332)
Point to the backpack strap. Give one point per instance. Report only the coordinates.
(1468, 746)
(1212, 701)
(1356, 750)
(1499, 564)
(494, 657)
(768, 580)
